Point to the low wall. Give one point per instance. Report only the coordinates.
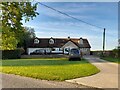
(11, 54)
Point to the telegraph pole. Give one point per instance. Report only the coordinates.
(104, 41)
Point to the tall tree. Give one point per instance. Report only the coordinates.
(27, 34)
(0, 38)
(9, 42)
(12, 16)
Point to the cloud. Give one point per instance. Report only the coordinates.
(52, 24)
(74, 9)
(77, 0)
(75, 26)
(51, 34)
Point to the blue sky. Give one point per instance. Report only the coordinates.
(53, 24)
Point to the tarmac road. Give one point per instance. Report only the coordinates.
(15, 81)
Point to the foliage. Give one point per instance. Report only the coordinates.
(49, 69)
(116, 52)
(13, 13)
(9, 41)
(0, 36)
(21, 50)
(11, 54)
(12, 16)
(27, 34)
(0, 41)
(113, 55)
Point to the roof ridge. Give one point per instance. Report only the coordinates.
(60, 38)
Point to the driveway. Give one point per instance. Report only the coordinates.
(15, 81)
(107, 78)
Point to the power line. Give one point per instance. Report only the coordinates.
(70, 16)
(80, 21)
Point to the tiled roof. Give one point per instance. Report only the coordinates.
(58, 43)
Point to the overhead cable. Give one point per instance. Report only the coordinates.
(70, 16)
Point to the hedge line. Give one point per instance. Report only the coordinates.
(112, 53)
(11, 54)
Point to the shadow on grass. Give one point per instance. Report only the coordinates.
(40, 62)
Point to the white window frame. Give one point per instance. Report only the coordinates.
(36, 41)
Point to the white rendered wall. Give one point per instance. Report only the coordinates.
(30, 50)
(85, 51)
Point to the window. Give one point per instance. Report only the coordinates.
(60, 49)
(67, 49)
(53, 49)
(51, 41)
(36, 41)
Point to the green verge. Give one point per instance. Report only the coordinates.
(111, 59)
(59, 69)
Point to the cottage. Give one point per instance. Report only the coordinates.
(58, 45)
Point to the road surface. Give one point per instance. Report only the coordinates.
(15, 81)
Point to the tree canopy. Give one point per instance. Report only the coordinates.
(12, 16)
(27, 34)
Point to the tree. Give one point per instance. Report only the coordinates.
(27, 34)
(0, 39)
(12, 15)
(119, 43)
(9, 42)
(116, 51)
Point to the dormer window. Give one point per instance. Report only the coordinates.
(36, 41)
(51, 41)
(68, 37)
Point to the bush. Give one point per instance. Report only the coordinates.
(11, 54)
(22, 51)
(115, 53)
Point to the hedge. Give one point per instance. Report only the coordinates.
(112, 53)
(11, 54)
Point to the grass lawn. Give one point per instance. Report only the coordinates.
(111, 59)
(49, 69)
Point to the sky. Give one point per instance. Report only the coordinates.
(50, 23)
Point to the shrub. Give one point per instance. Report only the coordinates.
(115, 53)
(22, 51)
(11, 54)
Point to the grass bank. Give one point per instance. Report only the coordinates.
(49, 69)
(111, 59)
